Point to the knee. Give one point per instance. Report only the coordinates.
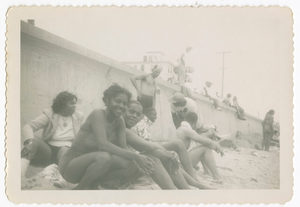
(207, 150)
(130, 166)
(103, 157)
(157, 162)
(179, 146)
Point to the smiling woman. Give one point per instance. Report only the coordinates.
(99, 152)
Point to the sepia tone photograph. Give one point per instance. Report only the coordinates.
(153, 99)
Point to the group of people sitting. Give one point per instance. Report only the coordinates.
(234, 104)
(112, 148)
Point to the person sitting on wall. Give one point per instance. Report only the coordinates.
(143, 130)
(227, 100)
(239, 110)
(181, 105)
(179, 176)
(146, 93)
(205, 93)
(187, 134)
(99, 150)
(60, 124)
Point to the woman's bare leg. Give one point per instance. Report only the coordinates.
(87, 168)
(179, 148)
(161, 177)
(192, 181)
(203, 153)
(205, 168)
(119, 170)
(179, 180)
(61, 152)
(41, 155)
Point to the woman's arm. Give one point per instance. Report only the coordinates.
(38, 123)
(140, 145)
(121, 133)
(97, 120)
(134, 83)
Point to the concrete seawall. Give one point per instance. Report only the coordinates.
(51, 64)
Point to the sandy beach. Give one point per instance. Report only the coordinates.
(246, 168)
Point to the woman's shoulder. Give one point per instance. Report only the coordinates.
(48, 112)
(97, 113)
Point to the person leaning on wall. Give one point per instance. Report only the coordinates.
(60, 124)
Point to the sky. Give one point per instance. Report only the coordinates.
(253, 39)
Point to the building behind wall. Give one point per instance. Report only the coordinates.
(152, 58)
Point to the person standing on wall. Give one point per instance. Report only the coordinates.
(268, 130)
(146, 93)
(181, 71)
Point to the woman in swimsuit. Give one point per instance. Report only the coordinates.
(100, 145)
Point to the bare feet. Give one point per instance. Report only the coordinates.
(219, 182)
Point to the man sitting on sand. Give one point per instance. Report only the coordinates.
(147, 91)
(143, 130)
(187, 134)
(180, 178)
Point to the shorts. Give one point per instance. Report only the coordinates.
(53, 159)
(146, 101)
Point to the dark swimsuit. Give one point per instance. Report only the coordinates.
(84, 143)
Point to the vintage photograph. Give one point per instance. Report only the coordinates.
(131, 99)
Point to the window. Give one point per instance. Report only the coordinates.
(142, 68)
(135, 66)
(154, 58)
(145, 58)
(150, 58)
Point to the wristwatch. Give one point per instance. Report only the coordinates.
(28, 141)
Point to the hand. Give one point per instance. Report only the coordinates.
(168, 155)
(28, 150)
(219, 149)
(145, 164)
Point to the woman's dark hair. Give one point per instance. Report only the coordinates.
(113, 91)
(61, 100)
